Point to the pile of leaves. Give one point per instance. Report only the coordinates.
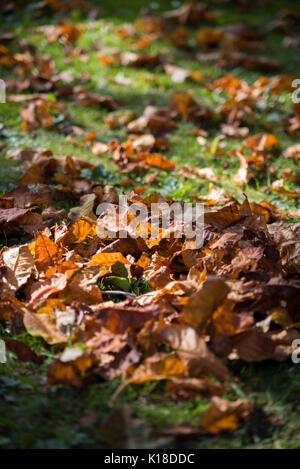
(185, 310)
(144, 308)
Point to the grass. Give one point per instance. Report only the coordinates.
(35, 416)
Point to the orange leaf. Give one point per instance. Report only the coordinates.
(45, 250)
(80, 230)
(69, 371)
(224, 415)
(108, 258)
(67, 267)
(159, 366)
(156, 160)
(260, 141)
(89, 137)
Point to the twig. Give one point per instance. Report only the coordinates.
(118, 292)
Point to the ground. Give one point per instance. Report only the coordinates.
(35, 416)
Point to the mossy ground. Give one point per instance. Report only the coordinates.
(33, 416)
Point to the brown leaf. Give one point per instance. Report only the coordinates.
(23, 351)
(193, 351)
(66, 32)
(202, 173)
(45, 326)
(224, 415)
(292, 152)
(98, 148)
(159, 366)
(119, 118)
(12, 214)
(189, 12)
(131, 59)
(202, 304)
(20, 263)
(84, 210)
(278, 186)
(45, 288)
(81, 289)
(45, 251)
(192, 387)
(253, 345)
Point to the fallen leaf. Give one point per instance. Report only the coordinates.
(45, 251)
(20, 263)
(202, 304)
(223, 414)
(159, 366)
(242, 176)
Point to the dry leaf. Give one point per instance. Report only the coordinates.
(202, 304)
